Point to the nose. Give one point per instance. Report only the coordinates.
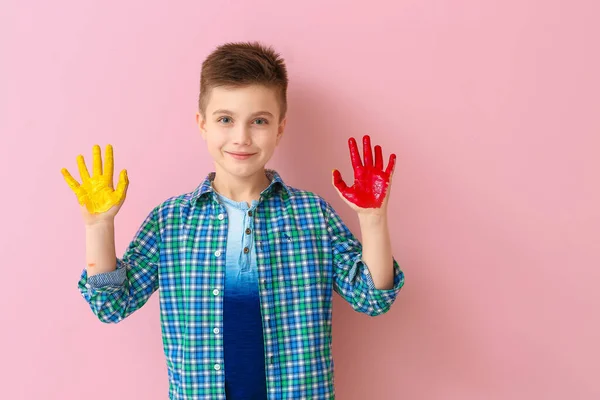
(242, 136)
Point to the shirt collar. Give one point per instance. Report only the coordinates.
(206, 186)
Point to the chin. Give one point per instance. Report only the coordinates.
(244, 171)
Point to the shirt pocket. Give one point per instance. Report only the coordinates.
(295, 258)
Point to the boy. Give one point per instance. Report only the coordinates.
(245, 264)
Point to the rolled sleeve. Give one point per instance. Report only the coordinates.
(352, 279)
(114, 295)
(112, 278)
(384, 297)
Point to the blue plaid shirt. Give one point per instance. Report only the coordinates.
(304, 252)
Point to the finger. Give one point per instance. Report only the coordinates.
(378, 158)
(391, 165)
(97, 161)
(354, 156)
(367, 152)
(110, 166)
(83, 171)
(122, 186)
(338, 182)
(73, 184)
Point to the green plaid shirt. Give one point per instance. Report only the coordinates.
(304, 252)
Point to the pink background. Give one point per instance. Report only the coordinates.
(491, 107)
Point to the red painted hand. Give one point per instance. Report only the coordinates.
(370, 180)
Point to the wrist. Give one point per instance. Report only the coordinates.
(372, 218)
(100, 224)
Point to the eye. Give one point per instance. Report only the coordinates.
(261, 121)
(224, 120)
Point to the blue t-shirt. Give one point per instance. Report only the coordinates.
(243, 344)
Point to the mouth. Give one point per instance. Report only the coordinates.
(240, 156)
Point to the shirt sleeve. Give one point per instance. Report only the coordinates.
(113, 278)
(114, 295)
(352, 279)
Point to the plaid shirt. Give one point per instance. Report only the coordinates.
(304, 252)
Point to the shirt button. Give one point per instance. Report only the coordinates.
(216, 292)
(217, 367)
(249, 213)
(221, 217)
(216, 331)
(218, 253)
(246, 250)
(248, 230)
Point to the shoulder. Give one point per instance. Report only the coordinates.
(171, 206)
(180, 200)
(302, 197)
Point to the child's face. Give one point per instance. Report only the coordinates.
(241, 128)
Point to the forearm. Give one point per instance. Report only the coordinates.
(100, 247)
(377, 249)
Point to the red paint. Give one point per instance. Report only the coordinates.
(370, 180)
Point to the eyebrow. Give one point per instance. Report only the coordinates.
(222, 111)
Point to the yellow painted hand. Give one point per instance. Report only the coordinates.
(96, 192)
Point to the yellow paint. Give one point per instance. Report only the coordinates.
(96, 192)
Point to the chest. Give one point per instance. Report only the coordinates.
(292, 250)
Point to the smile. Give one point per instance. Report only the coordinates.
(240, 156)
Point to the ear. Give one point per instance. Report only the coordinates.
(280, 130)
(201, 122)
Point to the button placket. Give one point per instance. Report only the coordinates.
(247, 241)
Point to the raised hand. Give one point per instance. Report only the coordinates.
(370, 180)
(96, 192)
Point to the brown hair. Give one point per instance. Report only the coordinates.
(242, 64)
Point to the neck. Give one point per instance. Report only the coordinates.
(240, 189)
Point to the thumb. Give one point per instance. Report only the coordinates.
(122, 186)
(338, 181)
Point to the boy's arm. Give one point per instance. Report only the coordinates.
(113, 288)
(115, 293)
(100, 247)
(368, 277)
(377, 249)
(354, 278)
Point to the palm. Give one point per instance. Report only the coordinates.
(96, 193)
(371, 181)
